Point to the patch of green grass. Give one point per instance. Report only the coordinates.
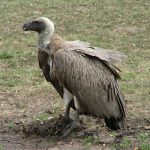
(145, 146)
(11, 125)
(1, 147)
(129, 76)
(42, 117)
(18, 69)
(89, 140)
(6, 55)
(143, 138)
(125, 143)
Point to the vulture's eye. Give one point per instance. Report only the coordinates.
(38, 26)
(35, 22)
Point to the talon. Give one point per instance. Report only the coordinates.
(66, 118)
(73, 125)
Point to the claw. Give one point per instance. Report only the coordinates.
(66, 118)
(71, 126)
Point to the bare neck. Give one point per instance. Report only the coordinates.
(54, 41)
(44, 40)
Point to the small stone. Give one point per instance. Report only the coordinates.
(107, 140)
(147, 127)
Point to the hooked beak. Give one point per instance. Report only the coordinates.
(27, 26)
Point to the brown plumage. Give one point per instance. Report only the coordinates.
(43, 59)
(92, 82)
(81, 72)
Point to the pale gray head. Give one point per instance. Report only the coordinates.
(40, 25)
(44, 27)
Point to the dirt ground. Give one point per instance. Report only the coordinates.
(20, 130)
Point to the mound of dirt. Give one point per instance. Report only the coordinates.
(52, 127)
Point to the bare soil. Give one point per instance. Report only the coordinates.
(20, 127)
(45, 135)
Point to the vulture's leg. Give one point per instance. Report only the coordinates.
(67, 111)
(76, 121)
(68, 97)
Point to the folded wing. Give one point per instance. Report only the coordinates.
(92, 80)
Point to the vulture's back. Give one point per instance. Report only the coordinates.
(93, 83)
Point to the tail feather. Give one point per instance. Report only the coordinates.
(114, 124)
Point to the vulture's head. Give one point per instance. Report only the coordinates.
(40, 25)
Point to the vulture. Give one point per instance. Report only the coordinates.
(83, 75)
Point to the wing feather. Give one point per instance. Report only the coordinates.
(104, 54)
(91, 81)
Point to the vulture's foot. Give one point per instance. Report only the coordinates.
(67, 110)
(66, 118)
(66, 114)
(71, 127)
